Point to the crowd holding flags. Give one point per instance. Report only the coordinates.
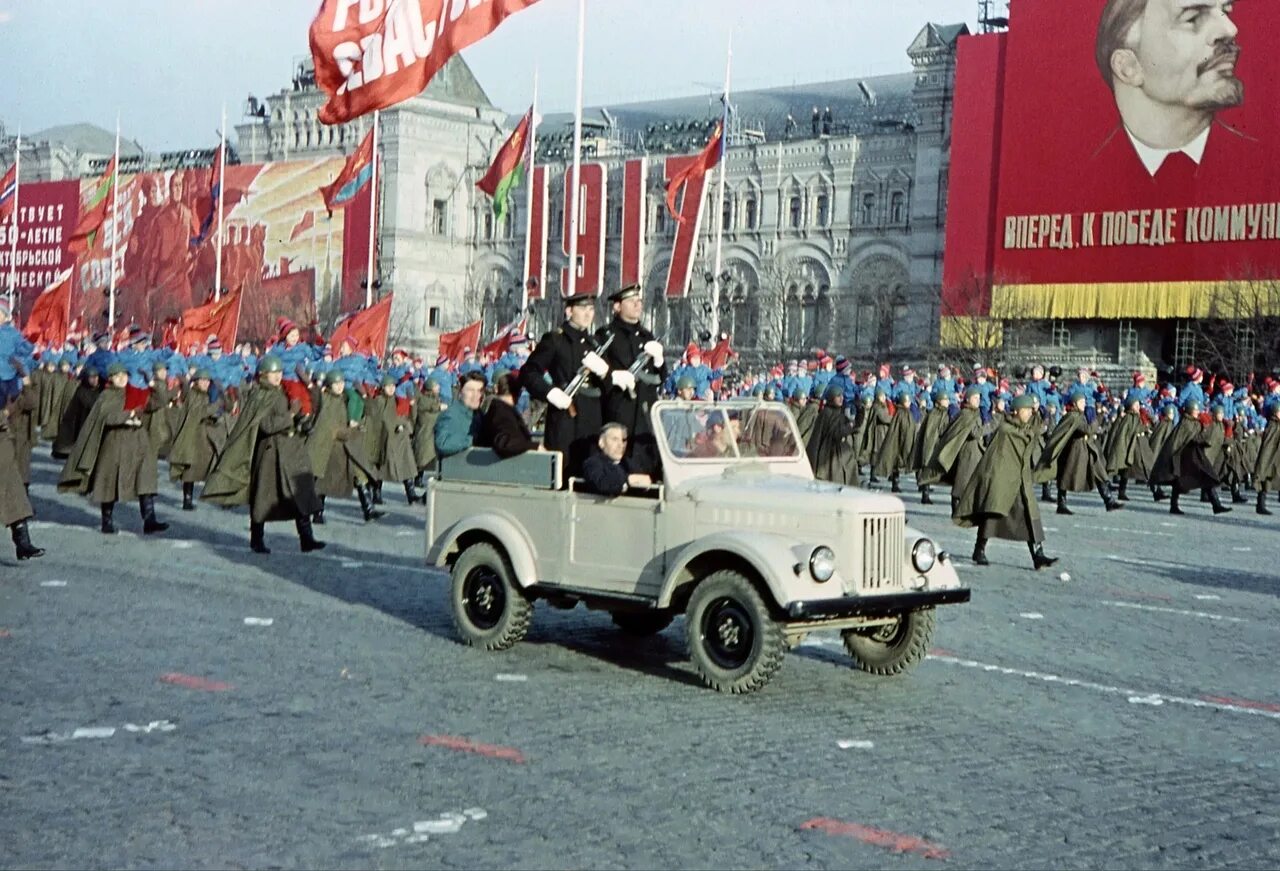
(366, 330)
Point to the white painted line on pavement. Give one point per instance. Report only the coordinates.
(1031, 615)
(1153, 563)
(183, 545)
(1103, 688)
(845, 744)
(53, 583)
(258, 621)
(448, 823)
(352, 564)
(1159, 610)
(1156, 701)
(1208, 597)
(1242, 549)
(405, 533)
(96, 732)
(511, 678)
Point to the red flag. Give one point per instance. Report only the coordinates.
(373, 54)
(510, 156)
(453, 346)
(171, 333)
(366, 330)
(50, 318)
(706, 161)
(308, 221)
(8, 193)
(356, 173)
(720, 355)
(93, 213)
(221, 319)
(502, 343)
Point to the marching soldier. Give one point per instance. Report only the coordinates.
(1266, 471)
(335, 447)
(265, 466)
(630, 407)
(960, 447)
(201, 433)
(573, 423)
(1072, 453)
(1184, 464)
(927, 438)
(15, 507)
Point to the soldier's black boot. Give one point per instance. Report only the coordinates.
(420, 481)
(150, 526)
(1038, 558)
(980, 553)
(1062, 503)
(1237, 498)
(22, 542)
(377, 492)
(1173, 501)
(306, 537)
(318, 517)
(411, 493)
(1262, 504)
(1204, 495)
(1045, 495)
(1158, 494)
(1123, 493)
(893, 483)
(1218, 507)
(257, 538)
(108, 518)
(925, 498)
(366, 503)
(1112, 504)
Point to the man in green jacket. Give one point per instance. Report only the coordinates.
(459, 424)
(1000, 498)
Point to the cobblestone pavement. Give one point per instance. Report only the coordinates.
(1127, 717)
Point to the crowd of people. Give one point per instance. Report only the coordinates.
(284, 428)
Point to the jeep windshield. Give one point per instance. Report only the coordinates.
(736, 431)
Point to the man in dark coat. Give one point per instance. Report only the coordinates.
(1184, 464)
(1266, 472)
(265, 465)
(502, 428)
(894, 456)
(15, 507)
(335, 447)
(1159, 435)
(200, 435)
(112, 459)
(1073, 455)
(1126, 449)
(426, 411)
(606, 472)
(830, 447)
(927, 438)
(1000, 498)
(960, 448)
(625, 402)
(573, 423)
(77, 412)
(390, 423)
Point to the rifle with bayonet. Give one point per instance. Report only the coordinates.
(584, 373)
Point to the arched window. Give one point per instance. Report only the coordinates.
(868, 212)
(824, 210)
(752, 217)
(797, 213)
(726, 216)
(488, 225)
(898, 207)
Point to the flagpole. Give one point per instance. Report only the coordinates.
(115, 230)
(530, 167)
(373, 215)
(719, 217)
(17, 214)
(575, 186)
(222, 188)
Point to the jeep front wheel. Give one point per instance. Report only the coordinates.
(489, 608)
(734, 642)
(894, 648)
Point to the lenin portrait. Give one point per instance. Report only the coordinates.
(1171, 66)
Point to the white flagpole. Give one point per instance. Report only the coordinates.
(222, 190)
(575, 185)
(17, 216)
(115, 231)
(373, 215)
(719, 217)
(529, 167)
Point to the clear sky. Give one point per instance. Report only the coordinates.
(167, 65)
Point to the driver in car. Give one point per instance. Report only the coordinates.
(606, 472)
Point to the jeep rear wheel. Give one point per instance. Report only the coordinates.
(734, 642)
(642, 623)
(489, 608)
(894, 648)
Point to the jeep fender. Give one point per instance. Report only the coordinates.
(499, 527)
(771, 557)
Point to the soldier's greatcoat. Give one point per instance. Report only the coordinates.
(73, 418)
(1000, 499)
(336, 449)
(1073, 454)
(201, 435)
(1127, 450)
(112, 460)
(1266, 471)
(14, 505)
(389, 440)
(927, 439)
(1182, 459)
(830, 447)
(959, 450)
(425, 413)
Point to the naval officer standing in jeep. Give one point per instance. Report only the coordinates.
(630, 407)
(573, 423)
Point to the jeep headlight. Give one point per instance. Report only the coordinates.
(822, 564)
(924, 555)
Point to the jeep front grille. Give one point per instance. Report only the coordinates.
(883, 540)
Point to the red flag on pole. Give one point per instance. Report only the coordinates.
(706, 162)
(8, 192)
(720, 355)
(366, 330)
(502, 343)
(454, 346)
(373, 54)
(93, 213)
(308, 221)
(220, 318)
(355, 174)
(50, 318)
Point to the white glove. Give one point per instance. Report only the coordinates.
(596, 364)
(654, 350)
(559, 398)
(623, 380)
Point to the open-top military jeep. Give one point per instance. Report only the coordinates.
(737, 536)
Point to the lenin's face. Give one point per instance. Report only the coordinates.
(1186, 54)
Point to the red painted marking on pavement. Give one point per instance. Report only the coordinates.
(5, 633)
(192, 682)
(1242, 703)
(1134, 594)
(941, 651)
(893, 841)
(466, 745)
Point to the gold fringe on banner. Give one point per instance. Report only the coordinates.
(1146, 300)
